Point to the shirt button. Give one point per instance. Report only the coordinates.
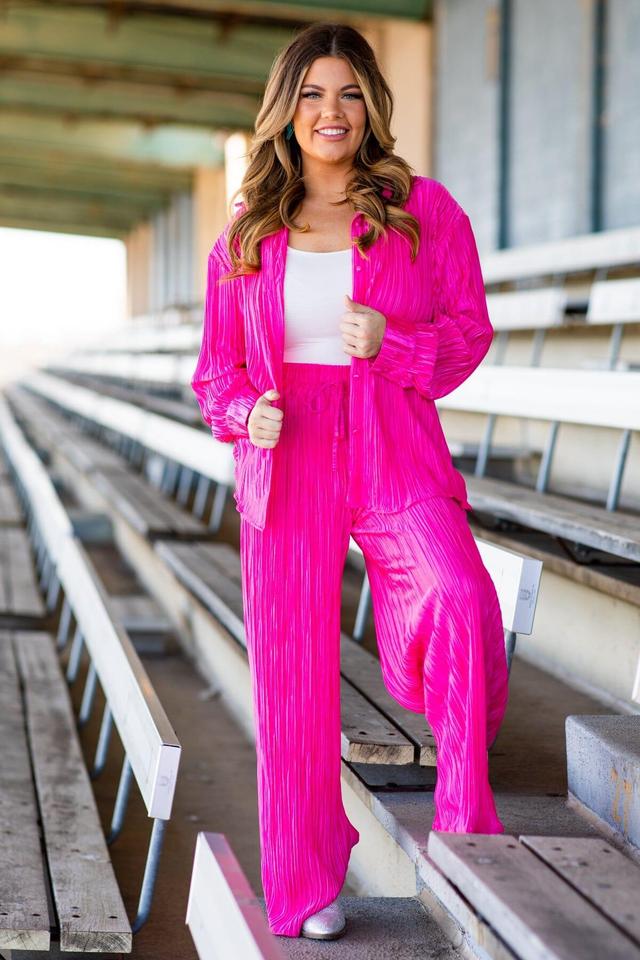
(358, 268)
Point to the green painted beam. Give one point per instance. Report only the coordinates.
(89, 172)
(172, 147)
(33, 205)
(63, 96)
(267, 10)
(60, 185)
(162, 48)
(402, 9)
(55, 225)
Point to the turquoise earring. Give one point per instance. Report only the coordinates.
(289, 131)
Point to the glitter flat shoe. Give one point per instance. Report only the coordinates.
(327, 924)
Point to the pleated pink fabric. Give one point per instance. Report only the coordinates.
(361, 452)
(438, 331)
(439, 635)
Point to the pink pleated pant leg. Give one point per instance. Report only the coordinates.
(439, 634)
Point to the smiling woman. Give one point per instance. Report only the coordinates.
(343, 298)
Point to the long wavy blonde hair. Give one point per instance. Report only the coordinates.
(272, 186)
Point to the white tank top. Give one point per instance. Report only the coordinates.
(314, 289)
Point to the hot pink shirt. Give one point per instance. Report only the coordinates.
(437, 333)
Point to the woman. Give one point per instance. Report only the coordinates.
(358, 300)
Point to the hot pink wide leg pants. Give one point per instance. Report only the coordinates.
(439, 635)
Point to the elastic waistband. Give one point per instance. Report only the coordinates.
(316, 373)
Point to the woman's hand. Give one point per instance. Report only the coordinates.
(265, 422)
(362, 329)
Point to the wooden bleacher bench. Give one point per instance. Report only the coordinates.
(563, 284)
(594, 398)
(382, 734)
(141, 337)
(21, 604)
(10, 512)
(167, 406)
(88, 909)
(87, 913)
(547, 897)
(190, 452)
(145, 508)
(376, 729)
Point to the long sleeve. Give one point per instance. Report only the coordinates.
(438, 355)
(220, 382)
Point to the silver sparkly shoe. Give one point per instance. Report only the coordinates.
(327, 924)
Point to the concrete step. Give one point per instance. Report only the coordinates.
(378, 928)
(603, 769)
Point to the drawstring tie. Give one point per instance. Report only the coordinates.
(319, 402)
(340, 431)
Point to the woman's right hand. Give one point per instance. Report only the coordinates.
(265, 422)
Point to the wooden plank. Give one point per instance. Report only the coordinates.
(88, 903)
(363, 672)
(24, 910)
(538, 914)
(367, 736)
(539, 308)
(613, 531)
(140, 613)
(10, 509)
(224, 557)
(198, 449)
(586, 252)
(614, 301)
(20, 597)
(87, 455)
(150, 513)
(178, 410)
(593, 398)
(216, 591)
(598, 871)
(51, 517)
(224, 916)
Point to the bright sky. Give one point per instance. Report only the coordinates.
(57, 291)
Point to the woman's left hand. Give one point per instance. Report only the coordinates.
(362, 329)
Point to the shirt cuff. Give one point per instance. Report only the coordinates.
(395, 356)
(406, 354)
(239, 409)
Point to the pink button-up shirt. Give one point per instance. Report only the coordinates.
(437, 332)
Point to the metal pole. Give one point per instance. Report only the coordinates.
(122, 798)
(88, 695)
(63, 626)
(150, 874)
(75, 656)
(362, 614)
(102, 748)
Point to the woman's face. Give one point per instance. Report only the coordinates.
(330, 97)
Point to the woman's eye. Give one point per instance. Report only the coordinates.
(355, 96)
